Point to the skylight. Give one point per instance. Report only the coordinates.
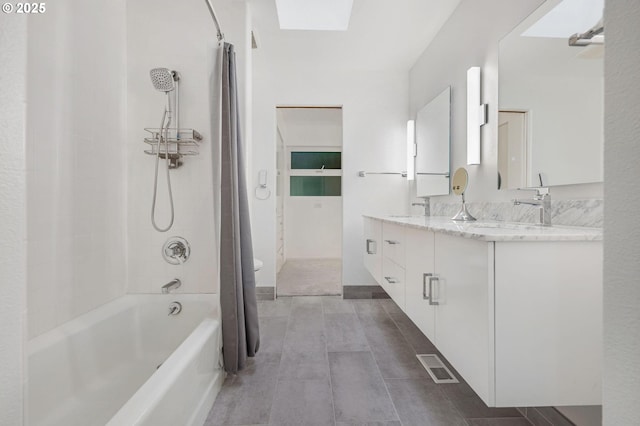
(567, 18)
(320, 15)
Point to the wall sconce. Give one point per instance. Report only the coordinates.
(476, 115)
(411, 150)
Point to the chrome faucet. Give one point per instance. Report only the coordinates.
(542, 199)
(425, 204)
(171, 285)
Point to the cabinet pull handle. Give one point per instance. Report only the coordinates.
(391, 280)
(392, 242)
(431, 280)
(370, 244)
(424, 285)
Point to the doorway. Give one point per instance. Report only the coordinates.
(309, 201)
(513, 150)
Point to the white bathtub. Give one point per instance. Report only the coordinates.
(102, 367)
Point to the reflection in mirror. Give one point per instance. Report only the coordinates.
(551, 99)
(432, 152)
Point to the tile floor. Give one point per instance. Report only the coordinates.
(328, 361)
(310, 277)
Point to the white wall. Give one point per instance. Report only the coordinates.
(470, 38)
(76, 160)
(13, 262)
(374, 134)
(313, 227)
(180, 36)
(622, 202)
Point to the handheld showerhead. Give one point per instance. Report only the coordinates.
(163, 79)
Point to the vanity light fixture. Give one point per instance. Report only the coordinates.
(476, 115)
(411, 149)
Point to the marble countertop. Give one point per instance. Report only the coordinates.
(494, 230)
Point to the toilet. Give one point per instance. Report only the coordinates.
(257, 265)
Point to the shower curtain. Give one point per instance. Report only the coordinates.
(240, 333)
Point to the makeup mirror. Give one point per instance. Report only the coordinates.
(459, 185)
(460, 181)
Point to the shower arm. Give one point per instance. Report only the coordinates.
(219, 33)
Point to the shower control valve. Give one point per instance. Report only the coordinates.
(175, 308)
(176, 250)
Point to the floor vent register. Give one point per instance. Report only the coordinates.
(436, 368)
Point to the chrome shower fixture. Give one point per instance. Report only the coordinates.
(168, 141)
(164, 79)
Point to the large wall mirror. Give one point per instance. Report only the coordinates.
(433, 124)
(551, 98)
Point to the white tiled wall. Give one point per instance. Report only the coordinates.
(179, 36)
(13, 43)
(76, 121)
(90, 239)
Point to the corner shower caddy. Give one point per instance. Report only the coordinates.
(180, 142)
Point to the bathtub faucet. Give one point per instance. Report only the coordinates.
(171, 285)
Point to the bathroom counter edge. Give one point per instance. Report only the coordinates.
(492, 230)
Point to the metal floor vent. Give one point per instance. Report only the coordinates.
(436, 368)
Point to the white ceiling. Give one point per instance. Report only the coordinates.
(382, 35)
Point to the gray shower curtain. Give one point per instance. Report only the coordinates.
(240, 333)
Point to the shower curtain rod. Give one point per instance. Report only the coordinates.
(219, 33)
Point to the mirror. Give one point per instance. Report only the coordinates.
(460, 181)
(551, 99)
(459, 185)
(432, 146)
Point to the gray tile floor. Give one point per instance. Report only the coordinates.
(328, 361)
(310, 277)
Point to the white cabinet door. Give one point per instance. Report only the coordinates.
(373, 248)
(548, 323)
(464, 315)
(419, 248)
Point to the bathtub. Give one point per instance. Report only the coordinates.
(128, 363)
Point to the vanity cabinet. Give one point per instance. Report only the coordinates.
(521, 321)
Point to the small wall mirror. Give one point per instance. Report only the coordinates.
(551, 99)
(433, 146)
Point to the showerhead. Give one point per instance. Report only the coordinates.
(163, 79)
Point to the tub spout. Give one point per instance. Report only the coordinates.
(171, 285)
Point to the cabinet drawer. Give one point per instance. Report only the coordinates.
(393, 243)
(393, 276)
